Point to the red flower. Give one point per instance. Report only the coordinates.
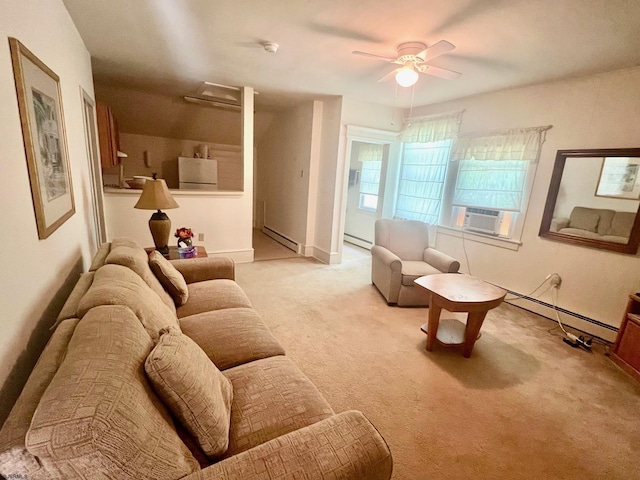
(184, 232)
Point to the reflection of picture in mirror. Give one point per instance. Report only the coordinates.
(619, 178)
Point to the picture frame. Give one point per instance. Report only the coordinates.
(44, 138)
(619, 178)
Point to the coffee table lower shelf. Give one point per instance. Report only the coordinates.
(450, 332)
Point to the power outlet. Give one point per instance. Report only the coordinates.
(555, 280)
(201, 237)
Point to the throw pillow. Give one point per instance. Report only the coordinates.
(195, 391)
(170, 278)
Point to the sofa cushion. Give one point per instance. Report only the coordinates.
(414, 269)
(584, 218)
(170, 278)
(622, 224)
(14, 456)
(70, 307)
(128, 253)
(213, 295)
(271, 397)
(231, 336)
(604, 222)
(117, 285)
(193, 389)
(99, 417)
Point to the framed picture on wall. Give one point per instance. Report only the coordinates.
(45, 143)
(619, 178)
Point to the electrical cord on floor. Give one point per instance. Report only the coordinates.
(519, 296)
(570, 338)
(464, 249)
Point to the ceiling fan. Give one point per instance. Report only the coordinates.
(414, 58)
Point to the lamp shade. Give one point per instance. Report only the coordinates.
(155, 196)
(406, 76)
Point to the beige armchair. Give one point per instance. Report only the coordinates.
(400, 255)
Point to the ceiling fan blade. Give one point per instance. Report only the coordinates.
(388, 75)
(379, 57)
(435, 50)
(441, 72)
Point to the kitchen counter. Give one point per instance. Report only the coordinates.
(176, 193)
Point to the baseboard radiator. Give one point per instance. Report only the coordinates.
(361, 242)
(278, 237)
(561, 310)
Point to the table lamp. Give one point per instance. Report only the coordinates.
(155, 196)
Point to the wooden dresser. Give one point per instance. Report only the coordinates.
(626, 350)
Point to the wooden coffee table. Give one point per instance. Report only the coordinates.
(458, 293)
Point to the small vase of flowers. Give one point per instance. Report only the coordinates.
(184, 236)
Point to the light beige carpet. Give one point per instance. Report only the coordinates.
(524, 406)
(266, 248)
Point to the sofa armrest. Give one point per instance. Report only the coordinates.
(200, 269)
(558, 224)
(386, 257)
(441, 261)
(345, 446)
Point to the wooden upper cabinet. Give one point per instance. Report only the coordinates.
(107, 135)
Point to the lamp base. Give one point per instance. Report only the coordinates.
(160, 227)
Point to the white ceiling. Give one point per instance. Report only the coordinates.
(171, 46)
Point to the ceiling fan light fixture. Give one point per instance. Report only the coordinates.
(406, 76)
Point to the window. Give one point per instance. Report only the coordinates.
(422, 176)
(370, 184)
(371, 157)
(423, 170)
(495, 172)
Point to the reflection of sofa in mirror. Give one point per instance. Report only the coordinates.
(596, 223)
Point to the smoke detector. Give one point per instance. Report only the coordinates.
(271, 47)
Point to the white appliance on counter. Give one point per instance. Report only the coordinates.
(197, 173)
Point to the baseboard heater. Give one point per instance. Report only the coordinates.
(360, 242)
(278, 237)
(559, 309)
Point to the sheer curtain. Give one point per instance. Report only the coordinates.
(371, 157)
(493, 167)
(427, 144)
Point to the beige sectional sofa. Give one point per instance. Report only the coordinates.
(156, 374)
(597, 224)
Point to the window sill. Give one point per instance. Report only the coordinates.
(508, 243)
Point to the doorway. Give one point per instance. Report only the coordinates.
(95, 168)
(370, 179)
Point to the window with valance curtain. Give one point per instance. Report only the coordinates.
(427, 144)
(493, 167)
(371, 157)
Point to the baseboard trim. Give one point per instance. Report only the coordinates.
(280, 238)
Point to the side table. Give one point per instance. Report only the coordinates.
(175, 255)
(459, 293)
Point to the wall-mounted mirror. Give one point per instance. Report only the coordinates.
(594, 199)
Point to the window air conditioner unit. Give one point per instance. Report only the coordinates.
(482, 220)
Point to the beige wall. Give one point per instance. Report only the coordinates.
(596, 112)
(146, 113)
(163, 154)
(282, 173)
(37, 275)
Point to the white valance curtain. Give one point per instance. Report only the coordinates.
(516, 144)
(493, 167)
(370, 152)
(431, 129)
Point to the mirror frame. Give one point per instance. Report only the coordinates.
(545, 227)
